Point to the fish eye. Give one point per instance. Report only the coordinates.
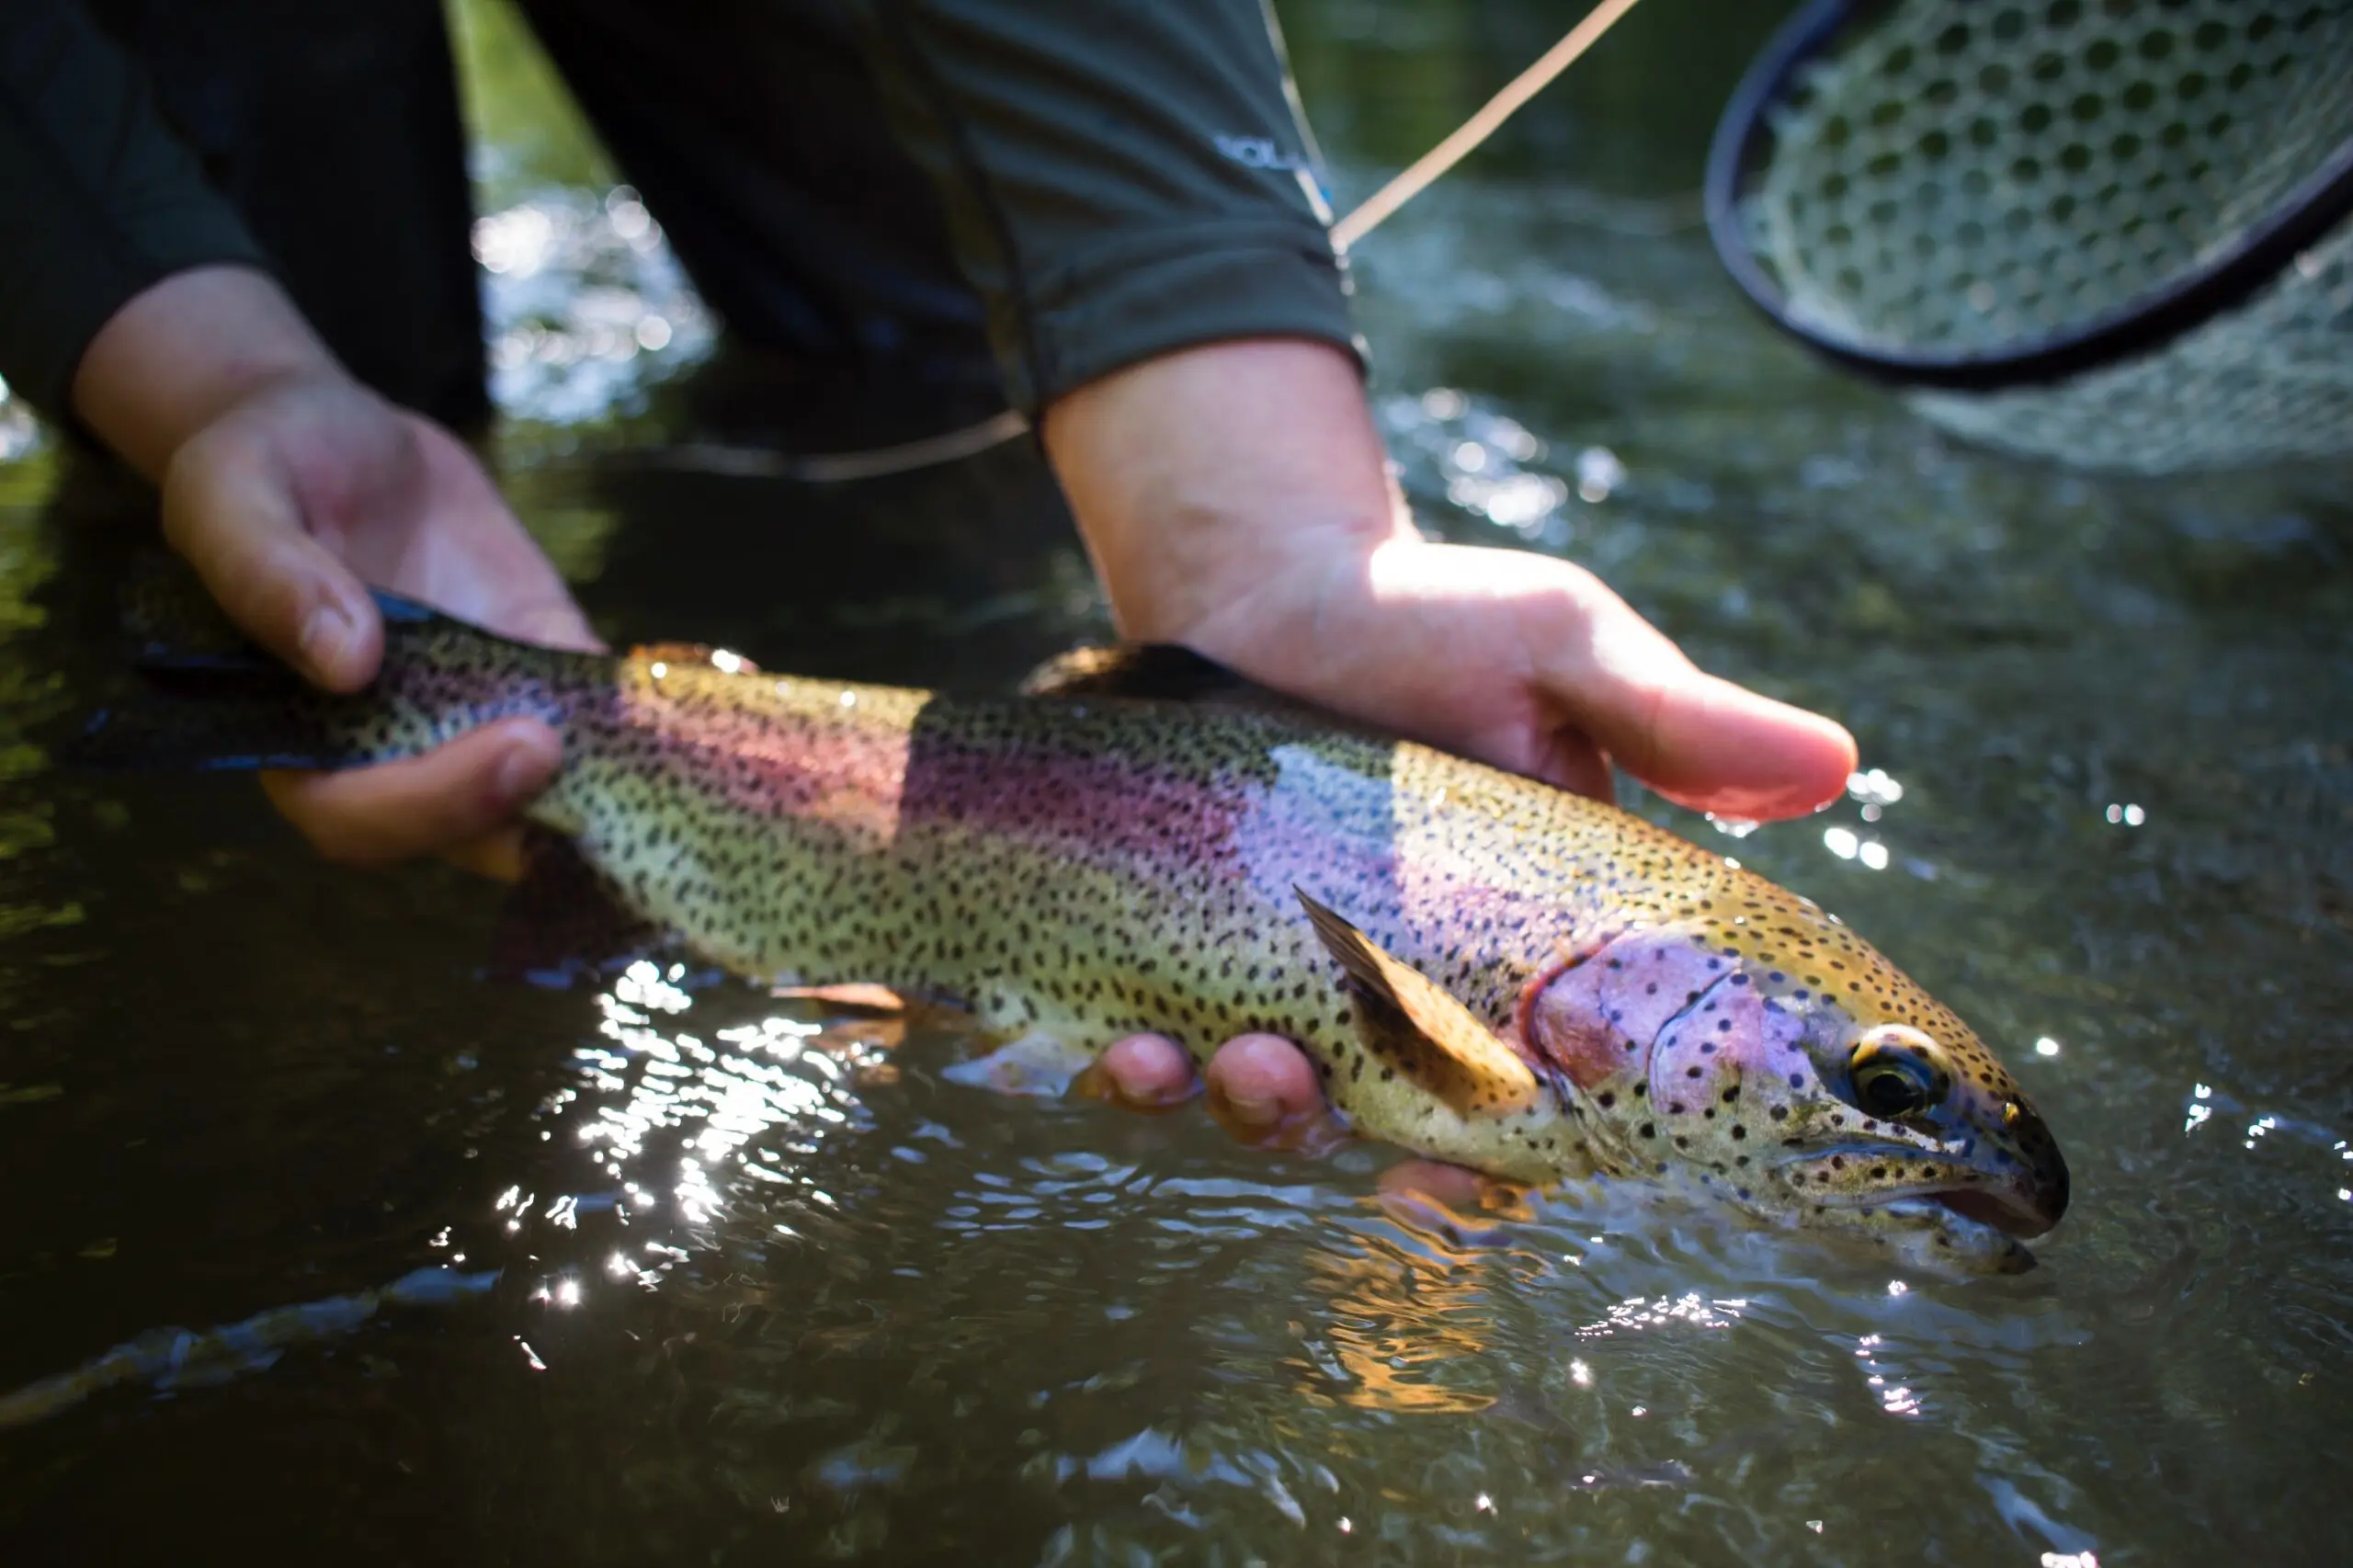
(1895, 1078)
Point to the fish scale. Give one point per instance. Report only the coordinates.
(1482, 968)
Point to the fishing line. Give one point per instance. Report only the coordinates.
(1426, 170)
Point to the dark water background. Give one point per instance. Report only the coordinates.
(770, 1290)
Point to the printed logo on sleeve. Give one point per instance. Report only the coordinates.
(1257, 153)
(1263, 152)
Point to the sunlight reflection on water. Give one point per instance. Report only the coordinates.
(584, 307)
(752, 1152)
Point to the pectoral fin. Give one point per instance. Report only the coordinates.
(857, 996)
(1409, 1024)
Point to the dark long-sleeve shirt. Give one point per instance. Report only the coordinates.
(1077, 184)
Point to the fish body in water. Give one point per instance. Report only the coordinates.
(1484, 969)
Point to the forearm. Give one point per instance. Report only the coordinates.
(1198, 474)
(182, 352)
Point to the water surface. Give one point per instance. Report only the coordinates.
(769, 1287)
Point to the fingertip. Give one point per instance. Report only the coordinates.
(1839, 757)
(1725, 749)
(1815, 754)
(1264, 1080)
(533, 755)
(1147, 1072)
(338, 641)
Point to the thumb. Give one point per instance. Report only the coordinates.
(230, 508)
(1701, 741)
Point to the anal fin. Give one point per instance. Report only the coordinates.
(1409, 1023)
(564, 918)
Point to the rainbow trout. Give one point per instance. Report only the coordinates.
(1484, 969)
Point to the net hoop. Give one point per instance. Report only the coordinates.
(2305, 214)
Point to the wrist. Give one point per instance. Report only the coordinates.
(184, 351)
(1200, 478)
(1192, 574)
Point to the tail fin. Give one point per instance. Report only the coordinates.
(215, 699)
(230, 725)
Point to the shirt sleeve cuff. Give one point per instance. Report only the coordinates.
(80, 299)
(1153, 294)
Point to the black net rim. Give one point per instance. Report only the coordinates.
(2139, 326)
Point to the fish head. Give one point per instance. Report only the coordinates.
(1802, 1079)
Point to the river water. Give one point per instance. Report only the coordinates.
(767, 1287)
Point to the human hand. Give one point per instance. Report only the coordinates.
(1237, 501)
(288, 486)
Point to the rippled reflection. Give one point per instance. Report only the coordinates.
(1407, 1325)
(691, 1130)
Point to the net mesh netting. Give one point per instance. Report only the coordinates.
(1980, 176)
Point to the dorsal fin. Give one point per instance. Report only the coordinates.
(1410, 1024)
(1169, 671)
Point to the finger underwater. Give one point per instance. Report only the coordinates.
(1142, 1071)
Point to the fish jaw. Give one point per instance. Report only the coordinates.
(1949, 1205)
(1925, 1235)
(1706, 1070)
(1950, 1162)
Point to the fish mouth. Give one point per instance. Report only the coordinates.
(1962, 1243)
(2017, 1204)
